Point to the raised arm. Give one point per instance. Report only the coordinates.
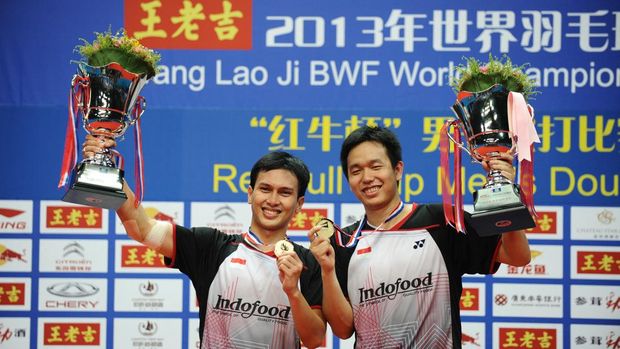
(154, 234)
(515, 249)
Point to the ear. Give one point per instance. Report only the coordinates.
(398, 170)
(300, 203)
(250, 191)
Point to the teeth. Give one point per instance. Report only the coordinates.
(371, 190)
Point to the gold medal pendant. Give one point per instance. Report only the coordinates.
(327, 228)
(281, 247)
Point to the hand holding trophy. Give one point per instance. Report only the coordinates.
(105, 91)
(494, 117)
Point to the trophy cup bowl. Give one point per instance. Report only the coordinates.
(483, 116)
(109, 95)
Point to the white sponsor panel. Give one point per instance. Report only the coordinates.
(71, 332)
(15, 255)
(546, 263)
(193, 334)
(473, 299)
(228, 217)
(16, 216)
(192, 299)
(133, 257)
(549, 223)
(14, 332)
(527, 335)
(595, 262)
(160, 210)
(158, 295)
(595, 302)
(594, 336)
(595, 223)
(15, 294)
(302, 221)
(473, 335)
(527, 300)
(147, 333)
(59, 217)
(350, 213)
(73, 256)
(74, 295)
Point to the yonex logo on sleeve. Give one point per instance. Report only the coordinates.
(418, 244)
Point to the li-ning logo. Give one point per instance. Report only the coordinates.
(390, 291)
(247, 309)
(606, 217)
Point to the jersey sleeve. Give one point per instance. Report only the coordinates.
(195, 250)
(342, 257)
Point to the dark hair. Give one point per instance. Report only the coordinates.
(377, 134)
(282, 160)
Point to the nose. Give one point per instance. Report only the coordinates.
(367, 176)
(273, 198)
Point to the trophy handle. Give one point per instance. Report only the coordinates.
(138, 109)
(457, 123)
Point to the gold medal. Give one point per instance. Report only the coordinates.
(281, 247)
(327, 228)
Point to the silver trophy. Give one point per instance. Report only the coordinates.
(483, 116)
(108, 99)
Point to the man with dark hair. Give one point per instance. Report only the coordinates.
(248, 296)
(394, 278)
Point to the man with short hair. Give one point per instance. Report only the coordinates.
(394, 278)
(248, 297)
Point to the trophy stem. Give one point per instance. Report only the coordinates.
(496, 179)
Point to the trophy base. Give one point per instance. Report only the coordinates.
(504, 220)
(499, 210)
(98, 186)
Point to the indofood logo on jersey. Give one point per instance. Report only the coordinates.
(400, 286)
(247, 309)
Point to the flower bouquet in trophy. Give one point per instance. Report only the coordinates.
(492, 117)
(105, 91)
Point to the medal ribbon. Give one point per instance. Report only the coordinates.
(253, 240)
(453, 214)
(520, 116)
(70, 154)
(358, 232)
(138, 157)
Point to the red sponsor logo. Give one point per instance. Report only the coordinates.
(8, 255)
(9, 212)
(64, 334)
(546, 223)
(238, 261)
(364, 250)
(598, 262)
(198, 24)
(12, 293)
(307, 218)
(158, 215)
(141, 257)
(470, 299)
(467, 339)
(531, 338)
(73, 217)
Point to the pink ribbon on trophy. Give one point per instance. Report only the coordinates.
(453, 213)
(70, 154)
(524, 132)
(139, 159)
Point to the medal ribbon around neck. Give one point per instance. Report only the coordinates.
(253, 240)
(358, 232)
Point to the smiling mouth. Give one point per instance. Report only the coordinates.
(371, 190)
(270, 213)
